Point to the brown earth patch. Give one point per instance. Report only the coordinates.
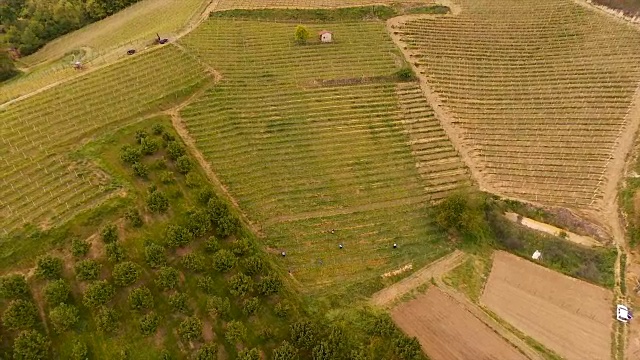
(447, 331)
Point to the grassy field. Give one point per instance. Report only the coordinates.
(320, 137)
(540, 91)
(38, 134)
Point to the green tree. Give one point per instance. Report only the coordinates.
(13, 287)
(208, 351)
(464, 213)
(240, 284)
(49, 267)
(130, 154)
(167, 177)
(107, 320)
(115, 252)
(178, 236)
(157, 202)
(250, 354)
(79, 248)
(198, 222)
(140, 170)
(218, 307)
(148, 146)
(285, 351)
(193, 262)
(303, 334)
(149, 324)
(20, 314)
(109, 234)
(133, 217)
(269, 285)
(157, 129)
(56, 292)
(253, 265)
(79, 351)
(227, 225)
(184, 165)
(98, 293)
(126, 273)
(175, 150)
(140, 136)
(167, 278)
(87, 270)
(190, 329)
(242, 247)
(64, 317)
(224, 260)
(7, 67)
(302, 34)
(178, 302)
(407, 348)
(235, 332)
(155, 256)
(250, 306)
(31, 345)
(211, 245)
(193, 181)
(207, 285)
(140, 298)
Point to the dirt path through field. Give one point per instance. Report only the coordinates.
(436, 269)
(552, 230)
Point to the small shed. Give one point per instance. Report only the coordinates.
(326, 36)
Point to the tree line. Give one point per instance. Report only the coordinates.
(27, 25)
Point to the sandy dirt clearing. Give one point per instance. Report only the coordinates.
(550, 229)
(447, 331)
(569, 316)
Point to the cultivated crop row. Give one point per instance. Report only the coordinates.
(39, 180)
(300, 4)
(540, 93)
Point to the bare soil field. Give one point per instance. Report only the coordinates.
(447, 331)
(569, 316)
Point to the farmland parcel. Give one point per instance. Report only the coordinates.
(569, 316)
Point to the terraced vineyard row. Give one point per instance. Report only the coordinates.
(320, 137)
(40, 183)
(540, 90)
(304, 4)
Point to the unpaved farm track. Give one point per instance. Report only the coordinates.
(448, 331)
(569, 316)
(388, 295)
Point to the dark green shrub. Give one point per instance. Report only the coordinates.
(157, 202)
(98, 293)
(240, 284)
(235, 332)
(109, 234)
(250, 354)
(14, 287)
(207, 351)
(242, 247)
(190, 329)
(130, 154)
(87, 270)
(206, 195)
(79, 248)
(166, 177)
(184, 165)
(224, 260)
(407, 348)
(167, 278)
(303, 334)
(177, 236)
(227, 225)
(133, 217)
(155, 256)
(406, 74)
(193, 262)
(250, 306)
(64, 317)
(149, 324)
(31, 345)
(115, 252)
(253, 265)
(20, 314)
(140, 298)
(198, 222)
(218, 307)
(282, 309)
(168, 138)
(175, 150)
(269, 285)
(193, 181)
(140, 170)
(49, 267)
(149, 146)
(56, 292)
(157, 129)
(107, 320)
(141, 135)
(179, 302)
(207, 285)
(126, 273)
(79, 351)
(211, 245)
(285, 351)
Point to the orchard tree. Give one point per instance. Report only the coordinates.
(157, 129)
(140, 298)
(155, 256)
(235, 332)
(56, 292)
(126, 273)
(211, 245)
(407, 348)
(208, 351)
(133, 217)
(149, 146)
(115, 252)
(207, 285)
(98, 293)
(250, 354)
(253, 265)
(240, 284)
(140, 170)
(193, 262)
(303, 334)
(149, 324)
(219, 307)
(184, 165)
(269, 285)
(64, 317)
(302, 34)
(227, 225)
(175, 150)
(198, 222)
(109, 234)
(130, 154)
(107, 320)
(79, 248)
(285, 351)
(79, 351)
(178, 302)
(49, 267)
(157, 202)
(87, 270)
(178, 236)
(14, 287)
(167, 278)
(190, 329)
(20, 314)
(141, 135)
(224, 260)
(31, 345)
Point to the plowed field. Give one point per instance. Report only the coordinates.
(569, 316)
(447, 331)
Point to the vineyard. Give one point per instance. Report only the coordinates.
(41, 183)
(313, 138)
(540, 91)
(305, 4)
(104, 42)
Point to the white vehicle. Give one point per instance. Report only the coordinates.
(623, 314)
